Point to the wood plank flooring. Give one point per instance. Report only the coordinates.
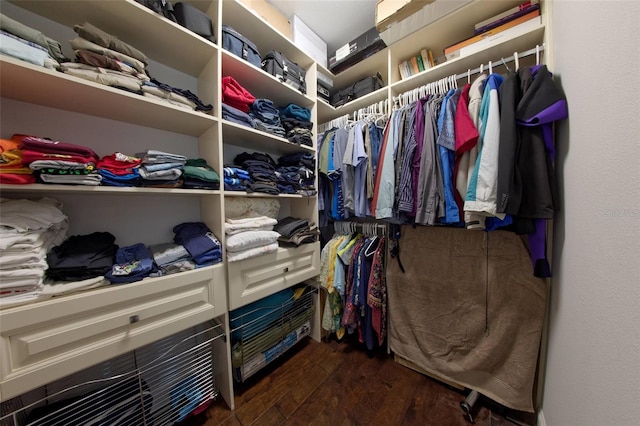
(340, 384)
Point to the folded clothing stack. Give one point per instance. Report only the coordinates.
(297, 169)
(199, 175)
(172, 258)
(12, 168)
(294, 231)
(249, 237)
(235, 179)
(266, 116)
(233, 94)
(28, 230)
(133, 263)
(297, 131)
(82, 257)
(203, 246)
(59, 162)
(262, 172)
(161, 169)
(236, 116)
(29, 44)
(119, 169)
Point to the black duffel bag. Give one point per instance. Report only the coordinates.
(357, 90)
(279, 66)
(161, 7)
(194, 20)
(240, 46)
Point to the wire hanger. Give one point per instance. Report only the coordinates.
(505, 65)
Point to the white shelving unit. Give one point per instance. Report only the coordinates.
(50, 339)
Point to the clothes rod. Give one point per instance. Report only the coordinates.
(502, 61)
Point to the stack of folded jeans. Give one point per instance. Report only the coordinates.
(203, 246)
(262, 172)
(236, 116)
(199, 175)
(294, 231)
(299, 165)
(235, 178)
(133, 263)
(119, 169)
(298, 132)
(266, 116)
(161, 169)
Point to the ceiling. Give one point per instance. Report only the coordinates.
(336, 22)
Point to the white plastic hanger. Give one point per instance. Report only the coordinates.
(516, 60)
(537, 54)
(490, 68)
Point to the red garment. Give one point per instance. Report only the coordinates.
(235, 95)
(29, 156)
(118, 167)
(17, 179)
(466, 137)
(8, 145)
(56, 147)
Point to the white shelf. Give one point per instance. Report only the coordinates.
(503, 48)
(87, 189)
(261, 195)
(260, 83)
(327, 112)
(246, 137)
(157, 37)
(30, 83)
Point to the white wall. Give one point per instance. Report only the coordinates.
(593, 368)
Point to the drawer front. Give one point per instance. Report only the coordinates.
(45, 341)
(258, 277)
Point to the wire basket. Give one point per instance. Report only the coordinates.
(158, 384)
(262, 331)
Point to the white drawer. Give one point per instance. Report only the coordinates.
(257, 277)
(48, 340)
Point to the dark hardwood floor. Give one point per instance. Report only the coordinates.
(340, 384)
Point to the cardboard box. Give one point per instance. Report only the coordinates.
(271, 15)
(355, 51)
(308, 41)
(391, 11)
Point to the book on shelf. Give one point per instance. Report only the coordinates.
(414, 65)
(403, 73)
(506, 16)
(425, 59)
(516, 26)
(420, 63)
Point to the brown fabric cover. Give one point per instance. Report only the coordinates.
(469, 315)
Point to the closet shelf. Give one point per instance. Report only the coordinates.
(328, 112)
(260, 83)
(160, 39)
(365, 68)
(246, 137)
(266, 38)
(34, 84)
(503, 48)
(87, 189)
(262, 195)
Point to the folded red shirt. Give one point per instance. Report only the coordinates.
(235, 95)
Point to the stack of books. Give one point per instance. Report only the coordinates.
(517, 20)
(418, 63)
